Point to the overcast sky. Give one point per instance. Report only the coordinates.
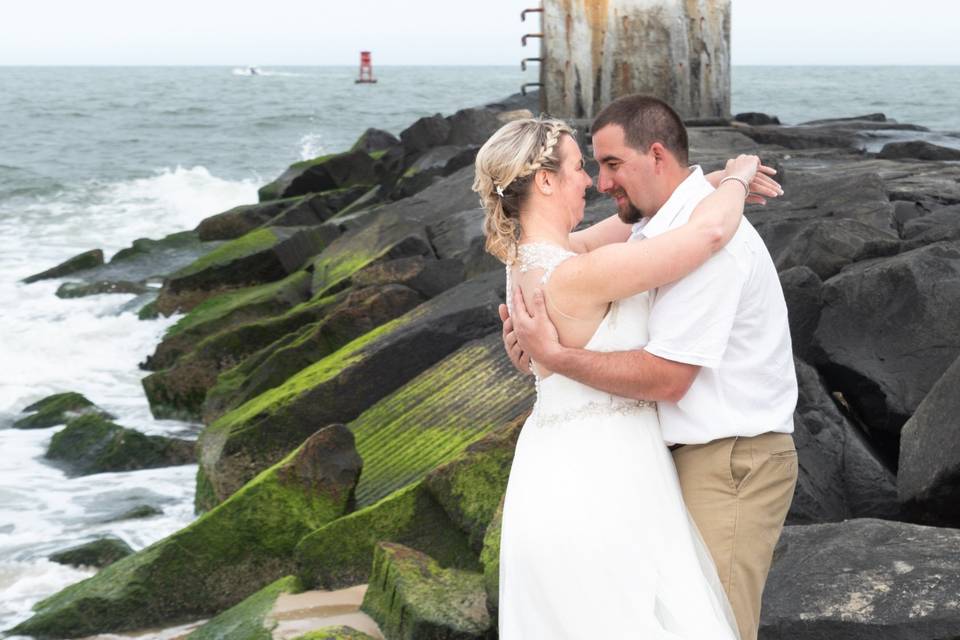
(325, 32)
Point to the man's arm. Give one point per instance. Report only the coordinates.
(631, 374)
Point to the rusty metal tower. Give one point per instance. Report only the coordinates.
(594, 51)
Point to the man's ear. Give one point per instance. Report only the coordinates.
(659, 153)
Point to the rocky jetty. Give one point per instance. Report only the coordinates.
(341, 344)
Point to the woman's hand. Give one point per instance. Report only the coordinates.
(743, 167)
(762, 186)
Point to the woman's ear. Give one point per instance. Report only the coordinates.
(544, 181)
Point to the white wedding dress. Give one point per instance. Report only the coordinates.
(596, 541)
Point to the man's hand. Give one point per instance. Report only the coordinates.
(535, 333)
(517, 356)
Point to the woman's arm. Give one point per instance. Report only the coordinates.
(607, 231)
(617, 271)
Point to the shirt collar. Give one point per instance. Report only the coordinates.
(663, 219)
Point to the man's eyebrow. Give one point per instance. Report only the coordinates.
(608, 158)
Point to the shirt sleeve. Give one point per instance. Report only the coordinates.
(691, 319)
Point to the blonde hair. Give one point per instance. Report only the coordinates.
(508, 161)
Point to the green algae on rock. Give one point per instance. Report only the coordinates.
(385, 238)
(215, 336)
(433, 418)
(356, 313)
(490, 559)
(226, 310)
(58, 409)
(333, 171)
(91, 444)
(471, 486)
(412, 597)
(264, 255)
(98, 553)
(340, 632)
(342, 385)
(340, 553)
(213, 563)
(250, 619)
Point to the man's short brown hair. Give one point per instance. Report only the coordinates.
(645, 120)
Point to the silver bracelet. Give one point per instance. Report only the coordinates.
(746, 186)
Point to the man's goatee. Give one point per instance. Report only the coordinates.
(630, 214)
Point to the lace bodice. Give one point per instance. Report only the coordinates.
(566, 399)
(532, 256)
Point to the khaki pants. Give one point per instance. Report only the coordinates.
(738, 491)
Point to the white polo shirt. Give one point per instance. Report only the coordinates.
(729, 318)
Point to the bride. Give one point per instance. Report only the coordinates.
(596, 541)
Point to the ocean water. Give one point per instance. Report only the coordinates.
(96, 157)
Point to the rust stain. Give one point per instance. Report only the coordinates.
(596, 12)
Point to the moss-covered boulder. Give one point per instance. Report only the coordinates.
(250, 619)
(471, 486)
(58, 409)
(339, 387)
(91, 444)
(386, 238)
(81, 262)
(221, 312)
(434, 417)
(490, 560)
(212, 564)
(359, 312)
(413, 598)
(340, 553)
(339, 632)
(326, 173)
(265, 255)
(373, 140)
(98, 553)
(286, 212)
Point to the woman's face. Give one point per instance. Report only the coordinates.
(573, 180)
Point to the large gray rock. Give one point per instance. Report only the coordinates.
(429, 131)
(888, 331)
(929, 471)
(840, 476)
(802, 291)
(825, 246)
(938, 225)
(847, 191)
(863, 580)
(919, 150)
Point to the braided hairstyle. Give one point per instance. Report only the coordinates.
(508, 161)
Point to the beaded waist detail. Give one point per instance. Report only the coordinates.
(596, 408)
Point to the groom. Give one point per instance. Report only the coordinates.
(718, 361)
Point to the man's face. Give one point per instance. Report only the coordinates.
(626, 174)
